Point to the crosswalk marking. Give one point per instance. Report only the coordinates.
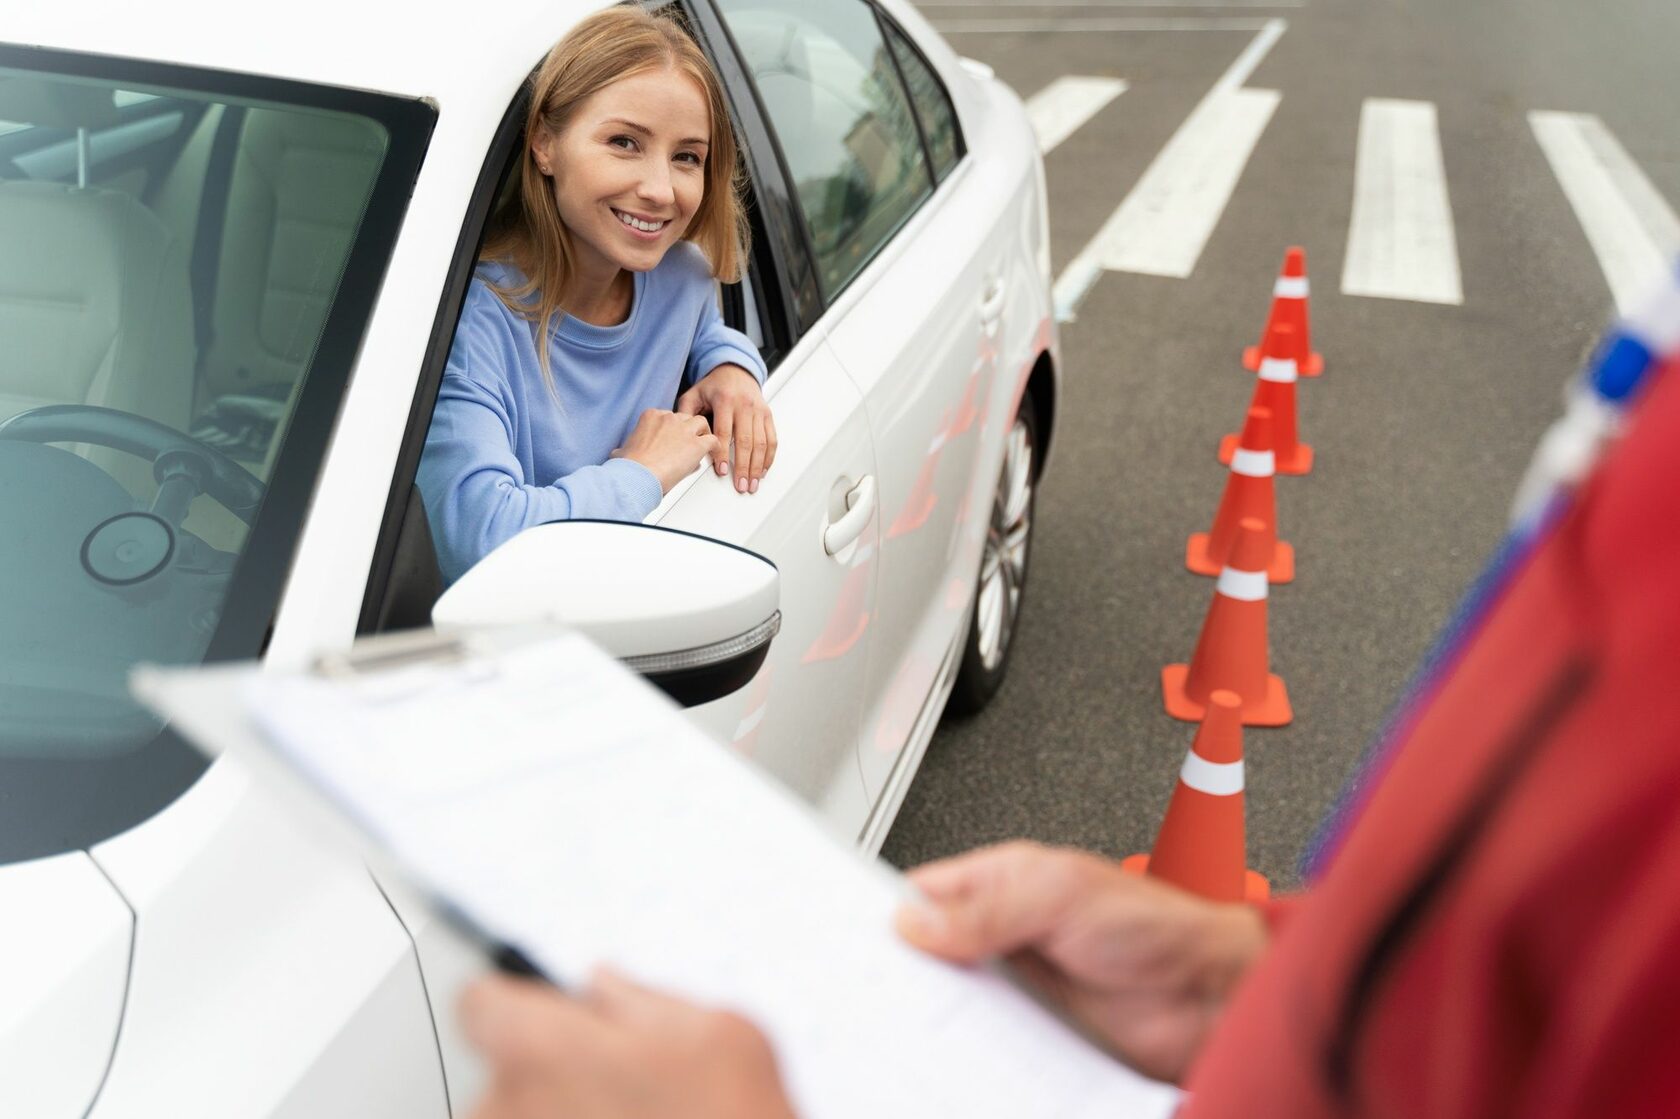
(1062, 107)
(1633, 232)
(1401, 243)
(1081, 25)
(1164, 222)
(1117, 4)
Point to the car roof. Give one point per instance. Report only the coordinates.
(416, 49)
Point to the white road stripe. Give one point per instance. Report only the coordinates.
(1238, 4)
(1062, 107)
(1080, 25)
(1163, 224)
(1401, 243)
(1633, 232)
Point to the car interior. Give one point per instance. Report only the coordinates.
(169, 264)
(174, 259)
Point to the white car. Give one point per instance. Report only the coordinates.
(233, 246)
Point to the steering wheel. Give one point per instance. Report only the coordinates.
(183, 466)
(144, 589)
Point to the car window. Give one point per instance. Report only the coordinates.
(170, 259)
(848, 135)
(933, 104)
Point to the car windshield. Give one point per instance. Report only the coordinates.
(187, 262)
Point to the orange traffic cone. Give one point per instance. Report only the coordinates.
(1249, 492)
(1289, 305)
(1231, 652)
(1274, 389)
(1200, 846)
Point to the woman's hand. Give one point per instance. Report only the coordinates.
(731, 396)
(1143, 965)
(619, 1051)
(670, 444)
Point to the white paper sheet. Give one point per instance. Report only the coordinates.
(568, 809)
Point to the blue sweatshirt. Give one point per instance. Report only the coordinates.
(503, 453)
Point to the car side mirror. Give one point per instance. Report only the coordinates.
(695, 616)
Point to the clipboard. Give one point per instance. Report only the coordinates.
(562, 813)
(206, 706)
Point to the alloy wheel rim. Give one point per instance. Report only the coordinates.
(1003, 562)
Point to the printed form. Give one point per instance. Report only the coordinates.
(567, 809)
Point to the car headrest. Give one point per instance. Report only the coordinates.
(56, 103)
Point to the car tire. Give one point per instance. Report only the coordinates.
(1000, 590)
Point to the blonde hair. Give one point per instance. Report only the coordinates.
(527, 231)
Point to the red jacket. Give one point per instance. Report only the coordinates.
(1500, 933)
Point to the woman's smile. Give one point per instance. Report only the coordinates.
(644, 228)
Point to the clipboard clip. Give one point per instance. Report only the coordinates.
(371, 656)
(393, 666)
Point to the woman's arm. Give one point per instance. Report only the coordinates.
(717, 344)
(728, 373)
(476, 493)
(474, 485)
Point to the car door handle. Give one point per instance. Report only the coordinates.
(991, 301)
(860, 506)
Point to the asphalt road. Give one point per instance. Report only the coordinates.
(1423, 421)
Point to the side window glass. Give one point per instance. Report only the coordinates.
(847, 132)
(939, 119)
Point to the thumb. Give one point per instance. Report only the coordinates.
(690, 403)
(621, 999)
(993, 901)
(518, 1023)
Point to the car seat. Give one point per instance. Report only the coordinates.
(94, 299)
(298, 186)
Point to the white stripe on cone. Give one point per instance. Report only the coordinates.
(1279, 369)
(1244, 586)
(1290, 287)
(1219, 779)
(1253, 464)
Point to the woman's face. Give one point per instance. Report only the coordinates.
(629, 170)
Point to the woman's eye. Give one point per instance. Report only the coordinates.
(691, 158)
(624, 143)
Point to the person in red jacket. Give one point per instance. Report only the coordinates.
(1497, 934)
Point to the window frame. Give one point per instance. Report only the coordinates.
(828, 298)
(799, 279)
(961, 140)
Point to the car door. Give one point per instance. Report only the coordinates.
(903, 246)
(816, 514)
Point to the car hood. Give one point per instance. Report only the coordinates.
(64, 953)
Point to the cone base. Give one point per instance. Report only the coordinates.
(1255, 886)
(1270, 710)
(1312, 367)
(1298, 461)
(1281, 570)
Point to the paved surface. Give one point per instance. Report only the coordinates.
(1422, 422)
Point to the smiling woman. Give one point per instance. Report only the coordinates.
(594, 304)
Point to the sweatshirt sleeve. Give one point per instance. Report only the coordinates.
(716, 344)
(1278, 911)
(475, 490)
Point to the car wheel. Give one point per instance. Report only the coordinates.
(1001, 588)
